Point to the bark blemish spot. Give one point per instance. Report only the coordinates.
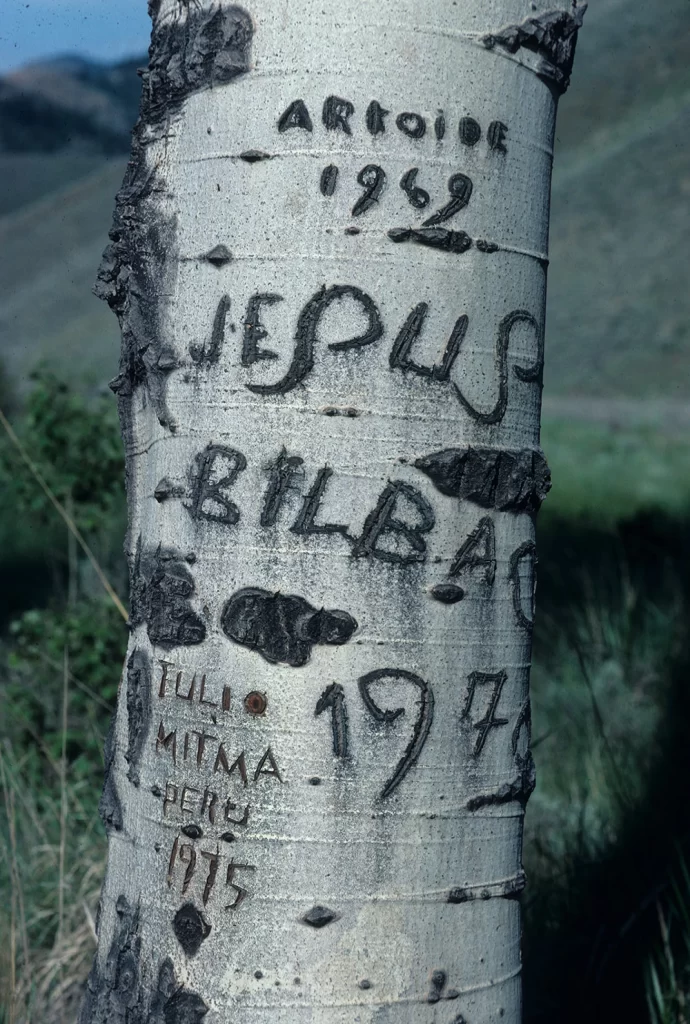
(319, 917)
(218, 256)
(192, 831)
(447, 593)
(436, 986)
(191, 928)
(255, 156)
(255, 703)
(185, 1008)
(283, 628)
(340, 410)
(435, 238)
(163, 491)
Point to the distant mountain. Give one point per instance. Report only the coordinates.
(69, 103)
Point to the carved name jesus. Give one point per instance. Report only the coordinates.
(263, 318)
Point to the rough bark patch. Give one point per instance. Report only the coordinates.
(198, 49)
(117, 992)
(507, 481)
(110, 807)
(139, 710)
(283, 628)
(191, 928)
(162, 586)
(551, 35)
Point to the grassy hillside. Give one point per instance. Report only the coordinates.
(48, 313)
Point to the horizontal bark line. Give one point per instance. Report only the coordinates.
(442, 240)
(421, 1000)
(456, 896)
(325, 153)
(389, 843)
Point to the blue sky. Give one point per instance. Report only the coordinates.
(102, 29)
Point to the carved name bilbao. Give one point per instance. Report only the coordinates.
(396, 531)
(264, 306)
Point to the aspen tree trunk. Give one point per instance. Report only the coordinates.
(329, 263)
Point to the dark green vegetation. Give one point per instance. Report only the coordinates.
(607, 909)
(61, 649)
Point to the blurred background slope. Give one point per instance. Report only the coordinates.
(607, 910)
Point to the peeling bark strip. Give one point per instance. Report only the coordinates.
(328, 259)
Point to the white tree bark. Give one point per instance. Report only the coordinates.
(329, 261)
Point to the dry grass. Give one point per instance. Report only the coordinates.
(52, 857)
